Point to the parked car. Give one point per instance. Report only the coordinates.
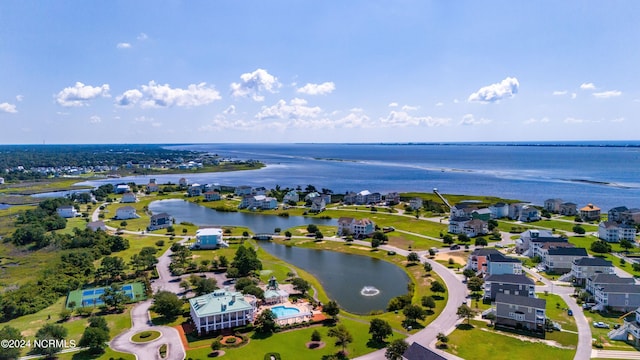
(435, 249)
(455, 247)
(570, 312)
(600, 324)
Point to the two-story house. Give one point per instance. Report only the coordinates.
(619, 297)
(611, 231)
(531, 241)
(519, 285)
(126, 212)
(355, 227)
(521, 312)
(478, 259)
(586, 267)
(128, 197)
(499, 264)
(558, 260)
(606, 279)
(553, 205)
(590, 213)
(67, 211)
(159, 221)
(212, 195)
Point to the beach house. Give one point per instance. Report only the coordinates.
(520, 312)
(67, 211)
(159, 221)
(222, 309)
(126, 212)
(209, 238)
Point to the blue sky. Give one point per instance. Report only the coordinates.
(318, 71)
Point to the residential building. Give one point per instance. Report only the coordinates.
(128, 197)
(611, 231)
(519, 285)
(586, 267)
(569, 209)
(291, 196)
(349, 198)
(499, 264)
(416, 351)
(631, 216)
(242, 190)
(183, 182)
(97, 225)
(1, 180)
(619, 297)
(456, 224)
(67, 211)
(318, 204)
(159, 221)
(122, 188)
(499, 210)
(478, 259)
(126, 213)
(483, 214)
(520, 312)
(415, 203)
(553, 205)
(260, 190)
(152, 186)
(615, 214)
(528, 213)
(558, 260)
(590, 213)
(259, 202)
(531, 241)
(209, 238)
(629, 331)
(606, 279)
(212, 195)
(475, 228)
(194, 190)
(222, 309)
(355, 227)
(392, 198)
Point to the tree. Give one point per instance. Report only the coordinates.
(10, 333)
(315, 336)
(492, 224)
(413, 313)
(50, 334)
(342, 335)
(112, 266)
(396, 349)
(245, 234)
(413, 257)
(332, 309)
(600, 247)
(215, 346)
(481, 242)
(475, 285)
(432, 252)
(123, 224)
(203, 286)
(437, 287)
(95, 339)
(167, 304)
(427, 267)
(380, 236)
(223, 261)
(626, 244)
(266, 322)
(429, 302)
(443, 339)
(464, 238)
(114, 297)
(375, 243)
(379, 330)
(301, 285)
(465, 312)
(312, 228)
(578, 230)
(246, 261)
(468, 273)
(319, 235)
(287, 234)
(447, 239)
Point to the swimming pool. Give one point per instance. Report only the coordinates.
(283, 311)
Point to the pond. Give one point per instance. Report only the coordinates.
(348, 279)
(182, 210)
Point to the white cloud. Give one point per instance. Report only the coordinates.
(8, 108)
(95, 119)
(410, 108)
(571, 120)
(230, 110)
(143, 119)
(142, 37)
(157, 95)
(469, 119)
(80, 94)
(393, 104)
(254, 83)
(560, 92)
(587, 86)
(455, 101)
(439, 103)
(296, 109)
(402, 119)
(618, 120)
(356, 109)
(534, 120)
(496, 92)
(123, 45)
(317, 89)
(19, 97)
(607, 94)
(573, 96)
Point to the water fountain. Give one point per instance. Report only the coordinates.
(369, 291)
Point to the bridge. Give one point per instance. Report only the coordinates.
(435, 191)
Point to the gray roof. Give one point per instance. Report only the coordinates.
(568, 251)
(594, 261)
(611, 279)
(521, 300)
(509, 279)
(501, 258)
(620, 288)
(419, 352)
(485, 251)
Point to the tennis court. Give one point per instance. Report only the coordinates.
(91, 297)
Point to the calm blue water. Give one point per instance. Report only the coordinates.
(606, 176)
(282, 311)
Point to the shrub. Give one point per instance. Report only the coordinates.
(231, 340)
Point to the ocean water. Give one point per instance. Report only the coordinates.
(605, 174)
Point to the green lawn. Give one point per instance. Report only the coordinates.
(556, 311)
(476, 343)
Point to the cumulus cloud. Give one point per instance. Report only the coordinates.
(230, 110)
(560, 92)
(317, 89)
(439, 103)
(607, 94)
(19, 97)
(252, 84)
(393, 104)
(534, 120)
(295, 109)
(80, 94)
(142, 37)
(572, 120)
(469, 119)
(95, 119)
(587, 86)
(123, 45)
(156, 95)
(8, 108)
(496, 92)
(402, 119)
(410, 108)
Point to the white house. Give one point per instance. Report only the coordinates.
(291, 196)
(1, 180)
(126, 212)
(242, 190)
(194, 190)
(415, 203)
(553, 205)
(122, 188)
(586, 267)
(212, 196)
(611, 231)
(128, 197)
(499, 210)
(392, 198)
(222, 309)
(355, 227)
(67, 211)
(97, 225)
(318, 204)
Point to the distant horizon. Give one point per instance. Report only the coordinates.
(416, 71)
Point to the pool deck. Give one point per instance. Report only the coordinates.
(306, 312)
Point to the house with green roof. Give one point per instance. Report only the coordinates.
(222, 309)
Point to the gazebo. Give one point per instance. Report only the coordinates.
(273, 294)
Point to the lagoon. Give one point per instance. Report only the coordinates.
(343, 276)
(184, 211)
